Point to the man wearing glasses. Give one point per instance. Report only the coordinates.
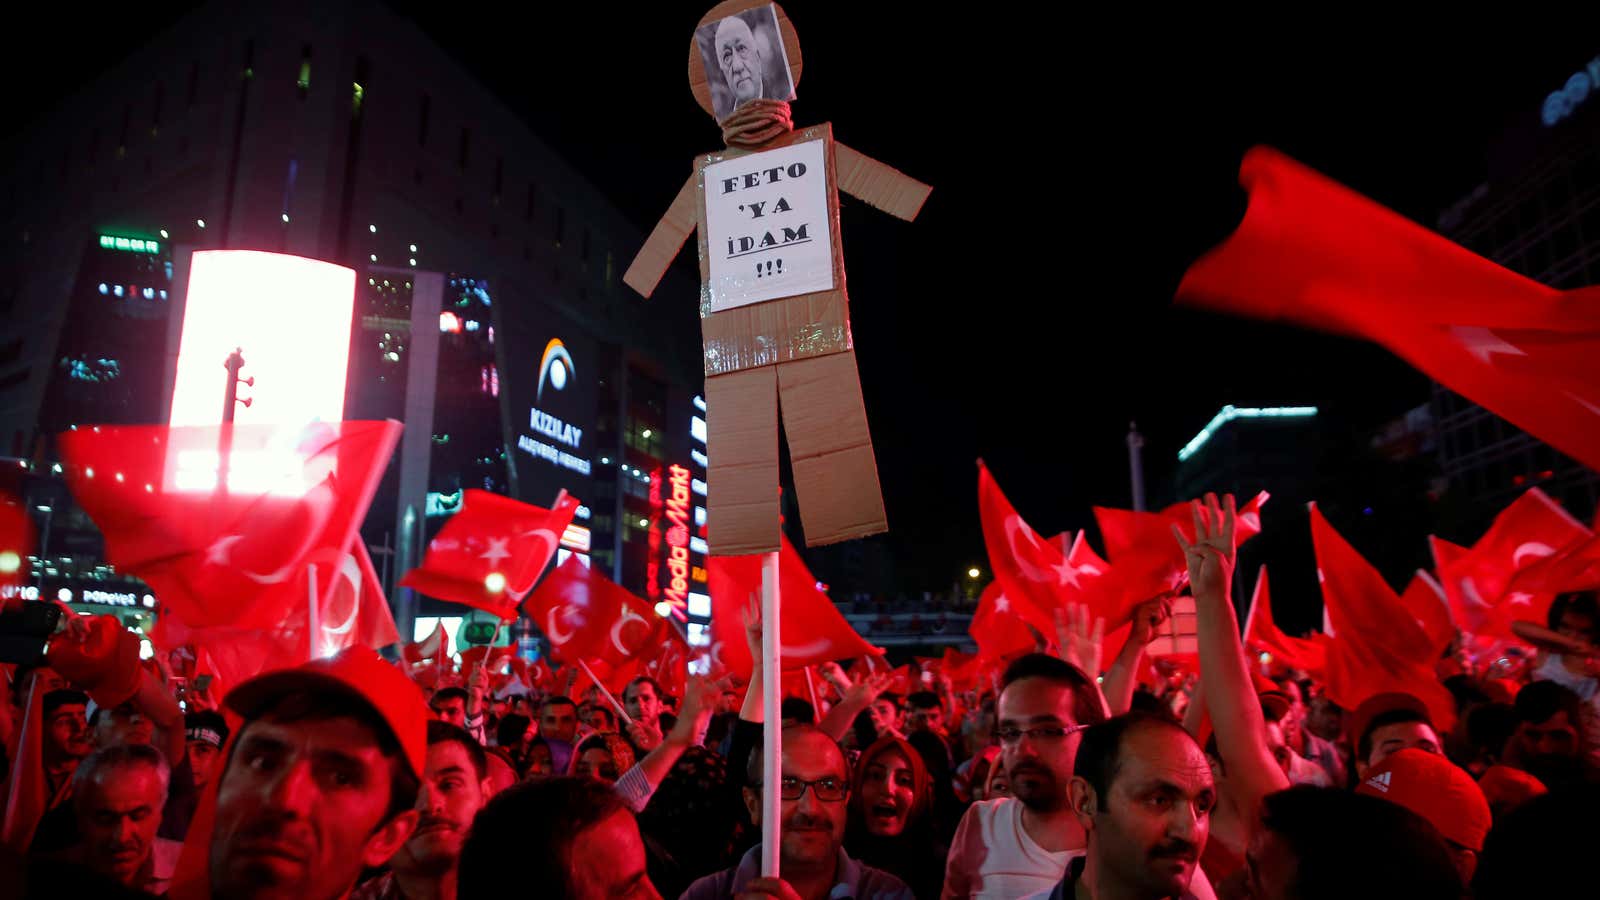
(1010, 847)
(816, 784)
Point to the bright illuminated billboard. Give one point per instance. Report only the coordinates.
(290, 319)
(549, 372)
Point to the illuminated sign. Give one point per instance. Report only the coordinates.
(290, 319)
(576, 537)
(553, 454)
(556, 375)
(25, 591)
(1229, 413)
(552, 427)
(677, 534)
(110, 598)
(133, 245)
(1561, 102)
(697, 429)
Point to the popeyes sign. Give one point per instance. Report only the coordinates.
(677, 534)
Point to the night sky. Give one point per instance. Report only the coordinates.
(1080, 162)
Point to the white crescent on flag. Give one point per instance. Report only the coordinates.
(350, 571)
(556, 635)
(627, 616)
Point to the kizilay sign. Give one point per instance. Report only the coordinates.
(677, 503)
(1578, 88)
(767, 229)
(556, 372)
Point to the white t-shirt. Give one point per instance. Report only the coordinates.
(992, 858)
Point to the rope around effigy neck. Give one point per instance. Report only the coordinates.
(756, 122)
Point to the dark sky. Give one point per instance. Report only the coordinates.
(1079, 163)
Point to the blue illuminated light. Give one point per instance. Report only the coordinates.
(1229, 413)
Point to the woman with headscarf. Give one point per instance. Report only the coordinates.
(602, 756)
(890, 817)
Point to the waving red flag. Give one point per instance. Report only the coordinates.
(588, 618)
(1376, 645)
(1037, 575)
(1573, 568)
(489, 554)
(1261, 632)
(1479, 582)
(812, 629)
(236, 559)
(1424, 599)
(668, 662)
(1315, 253)
(1145, 559)
(1000, 632)
(433, 648)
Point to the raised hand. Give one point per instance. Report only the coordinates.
(1148, 617)
(1079, 641)
(1212, 554)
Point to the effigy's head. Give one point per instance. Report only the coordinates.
(743, 51)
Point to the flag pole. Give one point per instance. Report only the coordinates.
(607, 694)
(772, 716)
(811, 688)
(313, 614)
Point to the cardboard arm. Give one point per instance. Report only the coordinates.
(884, 187)
(664, 242)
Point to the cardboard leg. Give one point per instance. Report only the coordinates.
(742, 447)
(835, 474)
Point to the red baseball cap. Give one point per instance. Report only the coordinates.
(358, 672)
(1435, 789)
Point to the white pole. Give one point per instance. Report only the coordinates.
(628, 720)
(772, 716)
(313, 614)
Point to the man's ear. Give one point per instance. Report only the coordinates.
(752, 804)
(389, 838)
(1084, 801)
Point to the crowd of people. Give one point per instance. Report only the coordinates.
(1057, 777)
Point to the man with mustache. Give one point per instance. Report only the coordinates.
(814, 866)
(454, 787)
(1143, 793)
(320, 782)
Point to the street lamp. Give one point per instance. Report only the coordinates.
(973, 573)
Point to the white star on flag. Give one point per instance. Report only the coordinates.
(1001, 604)
(1481, 343)
(497, 551)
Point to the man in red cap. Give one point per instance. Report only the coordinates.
(1388, 723)
(1439, 791)
(320, 782)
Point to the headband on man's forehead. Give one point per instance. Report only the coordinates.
(208, 735)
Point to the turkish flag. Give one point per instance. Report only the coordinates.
(812, 629)
(1479, 582)
(1000, 632)
(237, 558)
(433, 648)
(668, 662)
(588, 618)
(1573, 568)
(1424, 599)
(1261, 632)
(489, 554)
(1146, 559)
(1315, 253)
(498, 660)
(1376, 645)
(1036, 575)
